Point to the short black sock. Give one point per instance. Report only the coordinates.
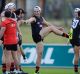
(3, 68)
(76, 68)
(37, 69)
(65, 35)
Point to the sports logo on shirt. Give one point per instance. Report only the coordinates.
(40, 25)
(75, 23)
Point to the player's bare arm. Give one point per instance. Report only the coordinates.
(18, 29)
(2, 32)
(30, 20)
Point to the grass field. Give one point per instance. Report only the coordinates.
(51, 38)
(48, 70)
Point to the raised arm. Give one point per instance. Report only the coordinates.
(18, 28)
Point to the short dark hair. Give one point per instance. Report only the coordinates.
(7, 13)
(20, 10)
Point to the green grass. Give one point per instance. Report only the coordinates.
(51, 38)
(48, 70)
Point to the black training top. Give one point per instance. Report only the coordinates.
(37, 26)
(76, 28)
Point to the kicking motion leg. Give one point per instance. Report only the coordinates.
(45, 31)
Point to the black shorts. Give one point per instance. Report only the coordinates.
(19, 39)
(75, 42)
(37, 38)
(12, 47)
(75, 38)
(2, 39)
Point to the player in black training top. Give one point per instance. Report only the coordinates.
(41, 28)
(74, 37)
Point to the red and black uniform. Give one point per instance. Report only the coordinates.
(10, 37)
(36, 28)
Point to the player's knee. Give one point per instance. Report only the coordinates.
(51, 28)
(16, 60)
(76, 60)
(76, 52)
(77, 55)
(8, 62)
(40, 54)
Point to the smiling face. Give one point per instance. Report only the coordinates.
(37, 11)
